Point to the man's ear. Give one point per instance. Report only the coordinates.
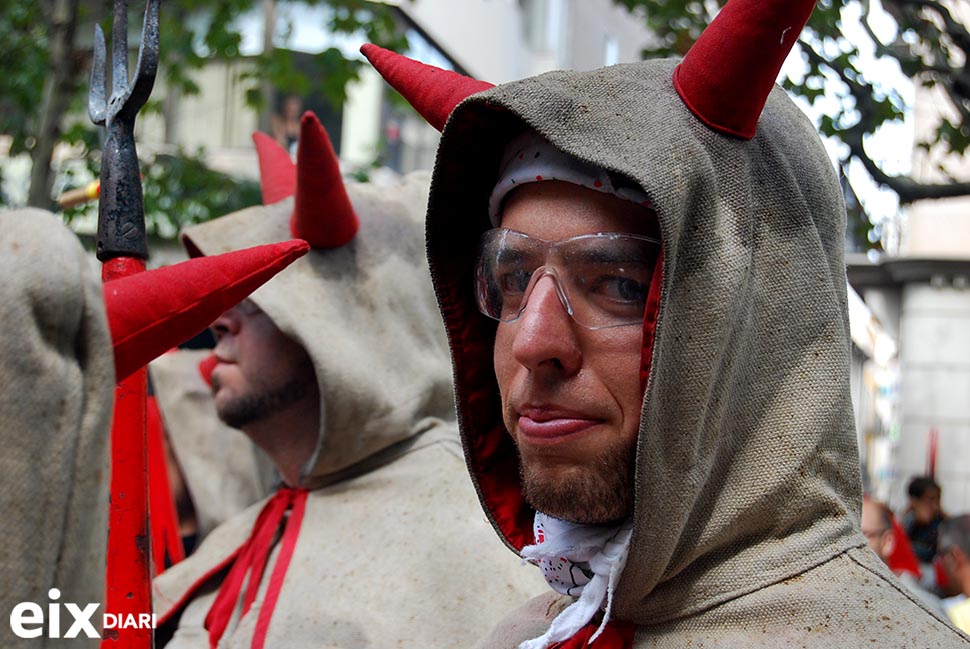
(888, 543)
(959, 557)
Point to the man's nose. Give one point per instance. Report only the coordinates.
(227, 323)
(545, 338)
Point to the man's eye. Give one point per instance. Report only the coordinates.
(515, 281)
(620, 289)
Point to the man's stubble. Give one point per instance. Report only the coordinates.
(251, 408)
(600, 491)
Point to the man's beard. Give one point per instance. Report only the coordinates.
(251, 408)
(600, 491)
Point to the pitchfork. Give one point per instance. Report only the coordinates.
(123, 248)
(121, 213)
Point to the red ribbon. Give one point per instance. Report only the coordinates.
(251, 560)
(616, 635)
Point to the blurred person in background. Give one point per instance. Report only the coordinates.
(887, 539)
(286, 123)
(923, 516)
(954, 549)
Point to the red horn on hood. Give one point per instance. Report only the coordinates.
(322, 212)
(277, 173)
(727, 74)
(433, 92)
(151, 312)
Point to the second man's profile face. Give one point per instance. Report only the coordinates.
(926, 508)
(571, 396)
(260, 370)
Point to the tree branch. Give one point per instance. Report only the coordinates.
(954, 28)
(908, 189)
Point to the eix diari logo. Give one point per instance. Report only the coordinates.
(27, 619)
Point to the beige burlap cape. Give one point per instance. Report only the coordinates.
(57, 378)
(393, 549)
(746, 519)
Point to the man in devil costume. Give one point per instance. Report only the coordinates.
(339, 372)
(67, 339)
(641, 274)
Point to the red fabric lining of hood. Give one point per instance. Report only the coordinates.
(492, 457)
(501, 486)
(650, 316)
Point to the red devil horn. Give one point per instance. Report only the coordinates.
(277, 173)
(151, 312)
(322, 213)
(727, 75)
(433, 92)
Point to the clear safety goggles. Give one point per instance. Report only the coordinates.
(601, 279)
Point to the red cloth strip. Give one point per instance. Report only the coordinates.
(616, 635)
(290, 536)
(251, 562)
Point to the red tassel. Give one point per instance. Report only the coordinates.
(290, 536)
(251, 563)
(166, 539)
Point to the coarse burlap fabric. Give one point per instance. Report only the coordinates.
(746, 517)
(57, 374)
(224, 472)
(397, 557)
(365, 314)
(392, 535)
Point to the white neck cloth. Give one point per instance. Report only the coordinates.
(583, 561)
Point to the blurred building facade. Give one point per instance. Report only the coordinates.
(493, 40)
(921, 294)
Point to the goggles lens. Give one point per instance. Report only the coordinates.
(601, 279)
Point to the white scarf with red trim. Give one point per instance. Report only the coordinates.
(582, 561)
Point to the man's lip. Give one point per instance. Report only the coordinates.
(548, 424)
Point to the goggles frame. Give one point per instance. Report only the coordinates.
(495, 253)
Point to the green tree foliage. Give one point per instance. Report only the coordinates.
(931, 46)
(185, 49)
(23, 58)
(179, 188)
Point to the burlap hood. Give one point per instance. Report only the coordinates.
(747, 469)
(57, 375)
(365, 315)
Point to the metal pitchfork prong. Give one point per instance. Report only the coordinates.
(126, 98)
(121, 211)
